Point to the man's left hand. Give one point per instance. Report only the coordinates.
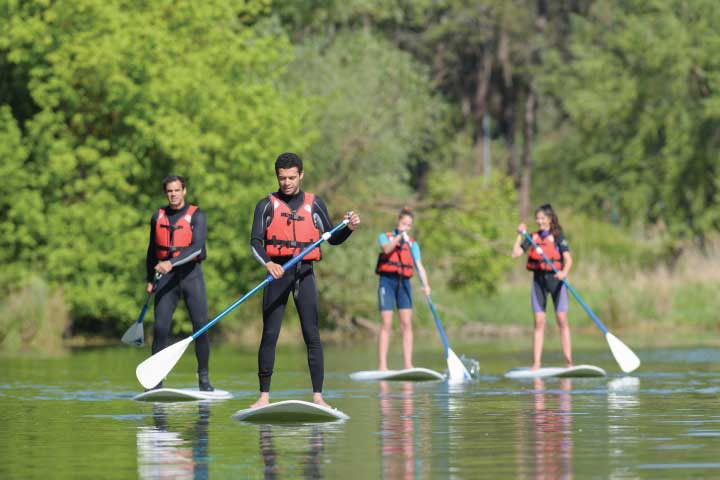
(353, 220)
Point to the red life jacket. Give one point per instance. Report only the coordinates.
(399, 261)
(536, 262)
(290, 231)
(171, 239)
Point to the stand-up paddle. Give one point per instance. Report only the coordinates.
(456, 369)
(154, 369)
(625, 357)
(135, 335)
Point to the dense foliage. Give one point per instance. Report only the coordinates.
(467, 110)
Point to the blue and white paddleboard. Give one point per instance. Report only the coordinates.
(578, 371)
(408, 375)
(181, 395)
(289, 411)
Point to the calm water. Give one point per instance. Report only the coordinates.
(73, 418)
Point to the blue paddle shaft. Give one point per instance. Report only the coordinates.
(140, 319)
(290, 263)
(143, 311)
(432, 307)
(589, 311)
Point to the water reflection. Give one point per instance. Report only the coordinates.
(177, 451)
(400, 432)
(548, 432)
(623, 405)
(310, 457)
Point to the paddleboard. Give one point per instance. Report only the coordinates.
(289, 411)
(407, 375)
(576, 371)
(181, 394)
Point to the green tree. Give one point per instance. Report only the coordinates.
(641, 102)
(112, 96)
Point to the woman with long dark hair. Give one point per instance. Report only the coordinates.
(395, 266)
(550, 239)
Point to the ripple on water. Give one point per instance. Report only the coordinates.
(678, 466)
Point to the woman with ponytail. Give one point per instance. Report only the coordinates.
(550, 238)
(395, 267)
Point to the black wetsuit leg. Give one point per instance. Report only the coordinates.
(166, 300)
(275, 297)
(300, 282)
(193, 290)
(306, 302)
(187, 281)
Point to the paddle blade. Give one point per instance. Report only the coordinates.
(135, 335)
(625, 357)
(154, 369)
(457, 373)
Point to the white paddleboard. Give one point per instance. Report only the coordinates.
(290, 411)
(563, 372)
(407, 375)
(181, 394)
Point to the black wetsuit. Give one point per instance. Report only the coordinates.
(185, 279)
(300, 281)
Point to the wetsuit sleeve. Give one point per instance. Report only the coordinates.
(150, 258)
(263, 211)
(320, 214)
(383, 239)
(525, 244)
(563, 244)
(199, 234)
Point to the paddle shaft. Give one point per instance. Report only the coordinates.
(588, 310)
(290, 263)
(140, 319)
(438, 325)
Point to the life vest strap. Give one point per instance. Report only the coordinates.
(398, 264)
(287, 243)
(292, 216)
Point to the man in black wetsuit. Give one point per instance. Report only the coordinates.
(285, 223)
(176, 251)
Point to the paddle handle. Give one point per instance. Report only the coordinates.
(290, 263)
(587, 308)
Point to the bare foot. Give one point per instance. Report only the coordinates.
(383, 368)
(408, 367)
(535, 367)
(568, 365)
(262, 401)
(318, 399)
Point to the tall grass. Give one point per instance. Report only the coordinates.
(33, 319)
(627, 293)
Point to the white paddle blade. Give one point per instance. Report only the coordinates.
(457, 373)
(153, 370)
(135, 335)
(625, 357)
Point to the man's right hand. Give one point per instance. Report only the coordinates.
(275, 270)
(149, 288)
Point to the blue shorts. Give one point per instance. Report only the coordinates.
(394, 289)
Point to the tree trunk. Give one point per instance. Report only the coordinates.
(527, 160)
(482, 137)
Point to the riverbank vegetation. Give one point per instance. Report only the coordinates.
(470, 111)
